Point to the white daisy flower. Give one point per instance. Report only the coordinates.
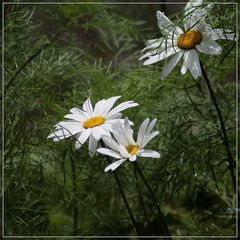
(125, 147)
(91, 123)
(197, 37)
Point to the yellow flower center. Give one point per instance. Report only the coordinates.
(93, 122)
(189, 39)
(132, 149)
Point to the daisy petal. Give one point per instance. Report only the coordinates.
(186, 62)
(87, 106)
(158, 57)
(109, 104)
(209, 47)
(76, 117)
(141, 132)
(149, 138)
(123, 151)
(149, 153)
(115, 116)
(92, 145)
(166, 26)
(96, 131)
(153, 44)
(114, 165)
(133, 158)
(195, 68)
(150, 126)
(109, 142)
(60, 134)
(84, 136)
(172, 63)
(99, 107)
(109, 152)
(193, 3)
(226, 34)
(121, 107)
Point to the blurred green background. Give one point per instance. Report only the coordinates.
(55, 56)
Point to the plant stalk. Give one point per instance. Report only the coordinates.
(230, 160)
(164, 227)
(75, 208)
(126, 202)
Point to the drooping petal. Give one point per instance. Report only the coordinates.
(109, 152)
(114, 165)
(92, 145)
(165, 54)
(77, 143)
(195, 68)
(186, 62)
(96, 131)
(84, 136)
(172, 63)
(149, 153)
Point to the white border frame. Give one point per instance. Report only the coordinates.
(114, 3)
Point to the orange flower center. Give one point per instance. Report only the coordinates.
(132, 149)
(93, 122)
(189, 39)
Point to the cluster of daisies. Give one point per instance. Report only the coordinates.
(103, 126)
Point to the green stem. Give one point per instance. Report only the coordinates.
(222, 125)
(164, 228)
(126, 203)
(124, 197)
(75, 208)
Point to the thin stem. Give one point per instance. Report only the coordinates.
(124, 197)
(126, 202)
(140, 196)
(222, 125)
(164, 228)
(75, 209)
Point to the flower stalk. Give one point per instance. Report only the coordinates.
(230, 160)
(75, 208)
(126, 203)
(164, 228)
